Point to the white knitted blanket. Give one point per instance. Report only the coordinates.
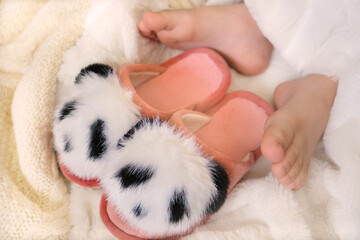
(34, 200)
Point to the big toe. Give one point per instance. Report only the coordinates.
(157, 21)
(271, 149)
(277, 137)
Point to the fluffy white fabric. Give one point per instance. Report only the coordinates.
(309, 36)
(34, 35)
(341, 139)
(314, 36)
(91, 224)
(96, 99)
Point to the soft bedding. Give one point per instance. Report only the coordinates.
(50, 41)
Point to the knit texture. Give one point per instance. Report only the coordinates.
(34, 199)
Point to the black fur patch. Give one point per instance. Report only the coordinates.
(132, 175)
(120, 144)
(138, 211)
(140, 124)
(67, 109)
(221, 182)
(178, 207)
(97, 145)
(68, 146)
(97, 68)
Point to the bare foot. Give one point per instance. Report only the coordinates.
(228, 29)
(292, 132)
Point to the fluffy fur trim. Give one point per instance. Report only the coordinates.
(90, 119)
(161, 183)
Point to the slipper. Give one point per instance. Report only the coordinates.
(185, 168)
(101, 112)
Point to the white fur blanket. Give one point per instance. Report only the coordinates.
(328, 207)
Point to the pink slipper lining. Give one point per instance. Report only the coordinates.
(196, 79)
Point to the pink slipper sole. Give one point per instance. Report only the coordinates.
(72, 177)
(229, 133)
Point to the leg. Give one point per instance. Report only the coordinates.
(228, 29)
(293, 131)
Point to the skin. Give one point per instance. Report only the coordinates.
(244, 47)
(293, 131)
(303, 105)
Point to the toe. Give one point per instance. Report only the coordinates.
(281, 169)
(276, 139)
(143, 29)
(289, 178)
(271, 148)
(159, 21)
(174, 28)
(293, 178)
(300, 180)
(146, 32)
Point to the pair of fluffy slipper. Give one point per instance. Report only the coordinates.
(164, 142)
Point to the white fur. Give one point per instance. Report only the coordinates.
(177, 163)
(342, 142)
(111, 37)
(97, 98)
